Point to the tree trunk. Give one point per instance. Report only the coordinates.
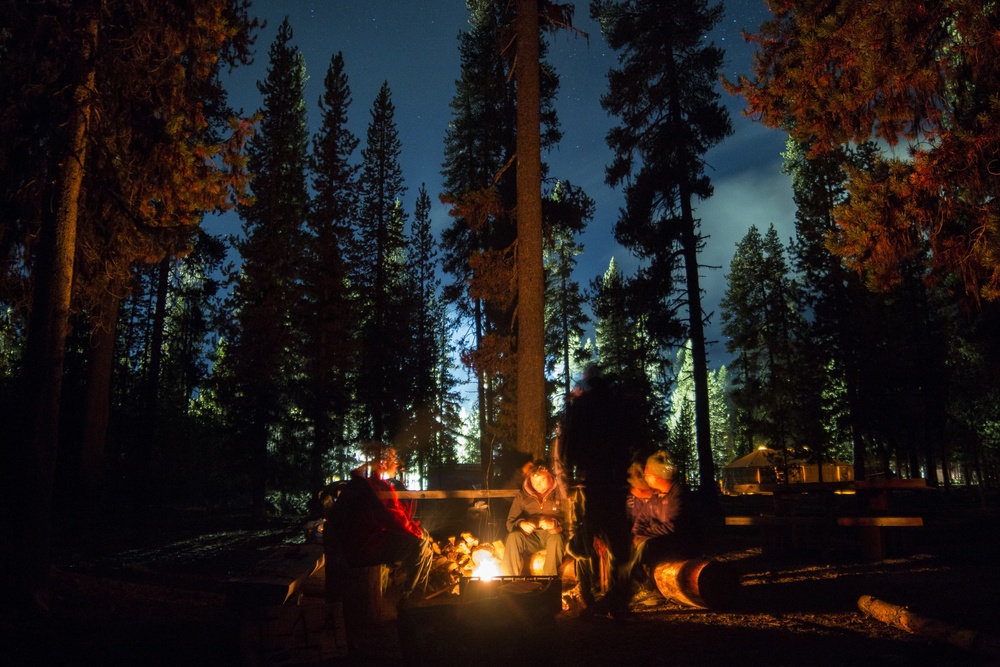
(95, 425)
(47, 345)
(698, 582)
(904, 619)
(702, 416)
(530, 279)
(485, 448)
(707, 488)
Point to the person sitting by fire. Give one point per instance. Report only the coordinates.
(535, 523)
(662, 523)
(372, 526)
(602, 428)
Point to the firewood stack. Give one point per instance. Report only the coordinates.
(457, 558)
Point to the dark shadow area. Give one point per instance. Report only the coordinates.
(156, 596)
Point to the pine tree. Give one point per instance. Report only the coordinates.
(723, 435)
(421, 267)
(531, 403)
(479, 245)
(625, 349)
(742, 322)
(477, 142)
(429, 371)
(378, 262)
(863, 344)
(765, 332)
(263, 343)
(680, 418)
(836, 298)
(568, 210)
(616, 328)
(793, 421)
(665, 95)
(328, 318)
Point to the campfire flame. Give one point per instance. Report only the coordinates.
(464, 557)
(487, 565)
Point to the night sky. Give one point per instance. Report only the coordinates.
(413, 44)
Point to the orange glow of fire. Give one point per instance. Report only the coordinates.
(487, 566)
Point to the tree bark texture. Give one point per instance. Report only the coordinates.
(44, 368)
(96, 419)
(530, 280)
(697, 582)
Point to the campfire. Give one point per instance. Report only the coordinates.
(465, 556)
(466, 567)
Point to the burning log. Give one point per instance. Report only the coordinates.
(462, 557)
(900, 617)
(697, 582)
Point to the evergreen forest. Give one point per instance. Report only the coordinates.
(146, 361)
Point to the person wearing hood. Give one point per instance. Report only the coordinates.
(372, 526)
(535, 523)
(662, 521)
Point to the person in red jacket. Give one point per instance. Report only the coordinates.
(534, 522)
(372, 526)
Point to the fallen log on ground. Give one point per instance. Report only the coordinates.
(900, 617)
(697, 582)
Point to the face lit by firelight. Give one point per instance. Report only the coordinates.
(657, 483)
(541, 481)
(389, 464)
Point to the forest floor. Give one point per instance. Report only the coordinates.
(157, 596)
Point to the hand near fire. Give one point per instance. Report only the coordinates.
(550, 525)
(546, 524)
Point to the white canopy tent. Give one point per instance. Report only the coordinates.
(771, 466)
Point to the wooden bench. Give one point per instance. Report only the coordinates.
(780, 533)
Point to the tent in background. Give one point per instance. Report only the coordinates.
(770, 466)
(747, 473)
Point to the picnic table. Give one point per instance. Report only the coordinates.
(471, 494)
(806, 514)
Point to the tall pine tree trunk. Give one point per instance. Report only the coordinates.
(485, 448)
(140, 473)
(699, 356)
(47, 346)
(530, 281)
(96, 419)
(852, 383)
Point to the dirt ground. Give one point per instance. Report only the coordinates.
(163, 602)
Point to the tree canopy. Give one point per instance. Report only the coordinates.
(851, 71)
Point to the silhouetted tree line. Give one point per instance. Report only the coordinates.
(881, 343)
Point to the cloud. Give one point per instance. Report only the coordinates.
(760, 196)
